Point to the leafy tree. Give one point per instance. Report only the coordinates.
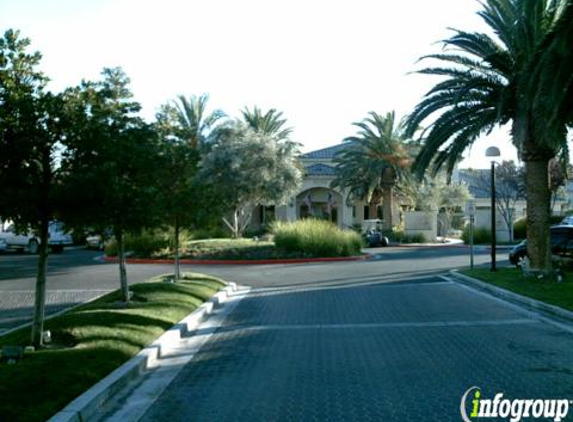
(271, 122)
(436, 193)
(509, 188)
(485, 82)
(110, 159)
(30, 138)
(249, 168)
(178, 193)
(372, 161)
(188, 120)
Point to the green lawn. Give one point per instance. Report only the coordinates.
(90, 342)
(510, 278)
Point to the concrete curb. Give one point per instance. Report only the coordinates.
(89, 404)
(529, 303)
(238, 262)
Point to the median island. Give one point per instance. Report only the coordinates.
(90, 341)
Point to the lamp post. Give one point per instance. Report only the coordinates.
(493, 152)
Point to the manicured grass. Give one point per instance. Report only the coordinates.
(558, 294)
(90, 342)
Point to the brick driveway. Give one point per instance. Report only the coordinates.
(404, 351)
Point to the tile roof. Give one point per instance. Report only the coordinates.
(320, 170)
(324, 153)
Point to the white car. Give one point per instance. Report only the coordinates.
(58, 239)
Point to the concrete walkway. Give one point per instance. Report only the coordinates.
(395, 351)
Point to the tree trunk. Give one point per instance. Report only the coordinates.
(372, 210)
(122, 268)
(236, 224)
(388, 207)
(40, 300)
(177, 266)
(538, 197)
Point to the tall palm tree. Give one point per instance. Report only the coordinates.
(193, 122)
(552, 81)
(372, 161)
(485, 83)
(271, 122)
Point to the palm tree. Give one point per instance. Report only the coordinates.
(552, 81)
(193, 124)
(372, 161)
(272, 122)
(485, 83)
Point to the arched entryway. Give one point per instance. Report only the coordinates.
(321, 203)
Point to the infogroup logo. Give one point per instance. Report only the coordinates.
(512, 409)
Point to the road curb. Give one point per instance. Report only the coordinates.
(238, 262)
(527, 302)
(90, 403)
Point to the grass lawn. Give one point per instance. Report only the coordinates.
(510, 278)
(91, 341)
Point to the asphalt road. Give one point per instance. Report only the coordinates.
(77, 275)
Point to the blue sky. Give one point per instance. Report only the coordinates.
(324, 64)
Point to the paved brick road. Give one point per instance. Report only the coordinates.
(388, 352)
(17, 307)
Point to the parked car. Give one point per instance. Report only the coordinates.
(567, 220)
(95, 241)
(57, 240)
(98, 240)
(561, 239)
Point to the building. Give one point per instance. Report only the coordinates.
(316, 197)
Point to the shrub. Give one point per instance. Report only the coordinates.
(399, 236)
(316, 238)
(481, 235)
(519, 229)
(209, 233)
(144, 244)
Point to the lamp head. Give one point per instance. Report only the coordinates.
(492, 152)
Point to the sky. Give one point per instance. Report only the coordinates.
(324, 64)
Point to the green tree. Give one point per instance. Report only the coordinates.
(272, 122)
(188, 120)
(372, 161)
(509, 188)
(179, 193)
(249, 168)
(110, 162)
(485, 82)
(30, 138)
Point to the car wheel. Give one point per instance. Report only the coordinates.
(33, 247)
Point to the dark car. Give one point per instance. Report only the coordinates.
(561, 238)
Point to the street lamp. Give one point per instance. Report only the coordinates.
(493, 152)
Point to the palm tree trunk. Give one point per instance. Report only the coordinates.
(538, 200)
(388, 206)
(40, 300)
